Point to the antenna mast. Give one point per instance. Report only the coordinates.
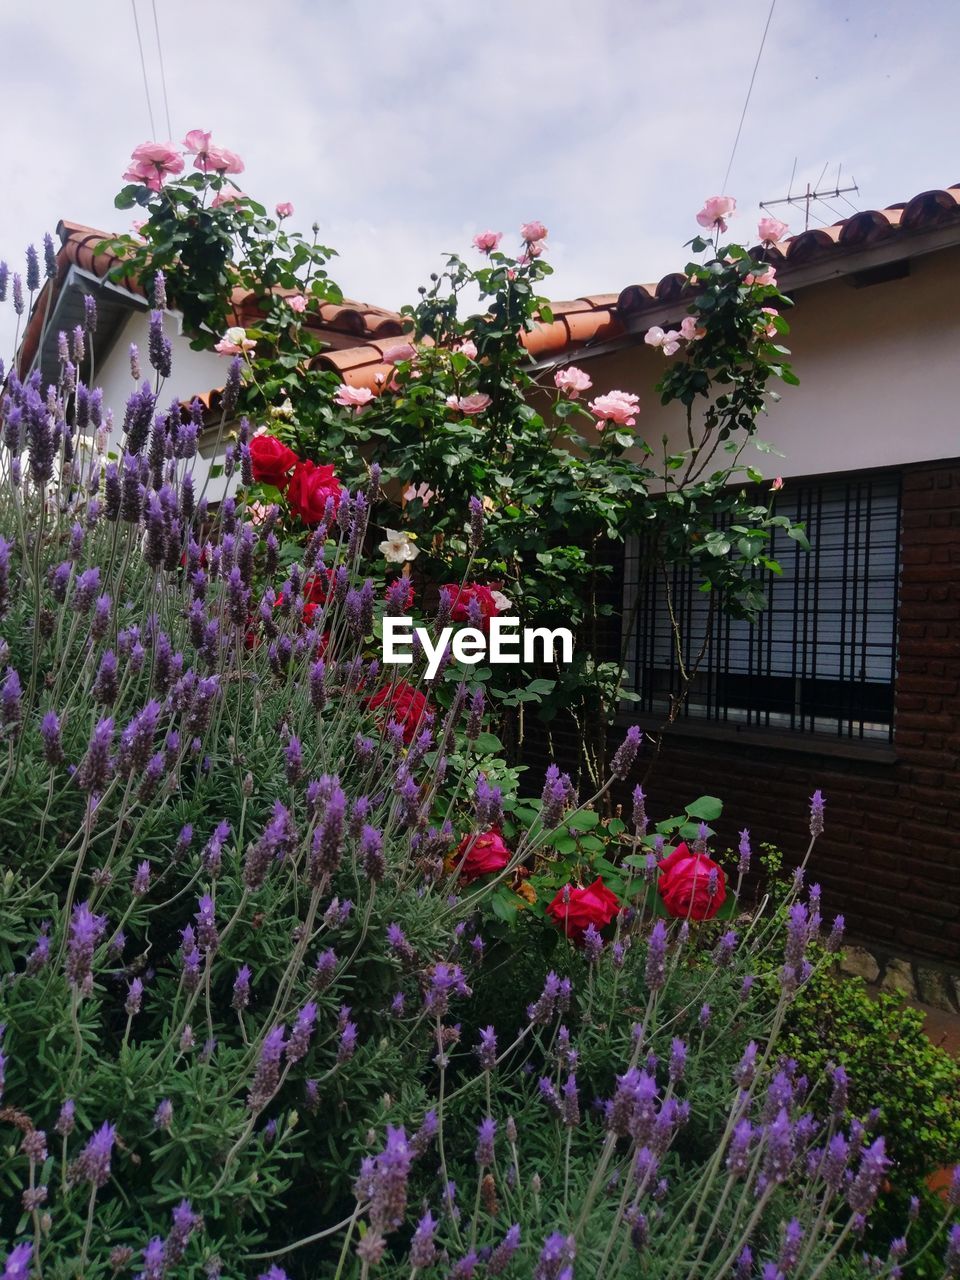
(812, 195)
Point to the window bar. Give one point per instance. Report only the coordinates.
(868, 531)
(897, 534)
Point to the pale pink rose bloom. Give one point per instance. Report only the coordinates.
(616, 406)
(197, 140)
(770, 230)
(138, 224)
(766, 277)
(421, 491)
(402, 351)
(668, 341)
(218, 160)
(531, 231)
(297, 302)
(470, 405)
(770, 330)
(487, 241)
(571, 381)
(467, 348)
(777, 484)
(353, 397)
(235, 342)
(230, 196)
(690, 331)
(285, 210)
(151, 162)
(715, 211)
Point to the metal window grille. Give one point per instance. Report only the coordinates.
(821, 657)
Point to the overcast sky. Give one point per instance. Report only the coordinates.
(404, 128)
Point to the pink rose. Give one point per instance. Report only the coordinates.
(285, 210)
(353, 397)
(470, 405)
(298, 302)
(531, 231)
(467, 348)
(616, 406)
(768, 277)
(769, 329)
(235, 342)
(487, 241)
(668, 341)
(197, 140)
(690, 331)
(151, 162)
(230, 196)
(777, 484)
(421, 491)
(715, 211)
(217, 160)
(770, 230)
(571, 381)
(403, 351)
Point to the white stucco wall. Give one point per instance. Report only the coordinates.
(193, 373)
(878, 369)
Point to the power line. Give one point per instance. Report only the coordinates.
(163, 74)
(746, 102)
(143, 68)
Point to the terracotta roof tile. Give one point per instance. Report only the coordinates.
(360, 335)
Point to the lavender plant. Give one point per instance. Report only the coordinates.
(238, 954)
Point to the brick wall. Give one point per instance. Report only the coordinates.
(890, 857)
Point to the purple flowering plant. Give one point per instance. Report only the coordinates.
(238, 985)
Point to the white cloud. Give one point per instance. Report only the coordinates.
(403, 129)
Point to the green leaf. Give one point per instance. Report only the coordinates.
(707, 808)
(583, 820)
(488, 744)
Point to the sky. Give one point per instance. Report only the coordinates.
(404, 129)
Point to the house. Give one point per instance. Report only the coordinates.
(850, 681)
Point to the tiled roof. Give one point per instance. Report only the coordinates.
(359, 335)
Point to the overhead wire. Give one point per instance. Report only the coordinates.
(746, 102)
(163, 74)
(143, 68)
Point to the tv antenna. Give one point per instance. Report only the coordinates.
(815, 194)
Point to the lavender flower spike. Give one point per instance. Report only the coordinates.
(816, 814)
(626, 753)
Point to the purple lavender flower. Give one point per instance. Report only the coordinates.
(655, 973)
(640, 821)
(163, 1116)
(207, 933)
(779, 1149)
(554, 799)
(488, 803)
(134, 997)
(502, 1255)
(486, 1131)
(423, 1251)
(299, 1041)
(371, 854)
(52, 745)
(160, 347)
(66, 1119)
(446, 980)
(790, 1252)
(96, 767)
(678, 1059)
(487, 1049)
(93, 1163)
(18, 1262)
(387, 1184)
(241, 989)
(626, 753)
(556, 1258)
(869, 1177)
(816, 814)
(951, 1259)
(267, 1076)
(475, 718)
(543, 1009)
(11, 711)
(85, 932)
(747, 1068)
(325, 969)
(836, 934)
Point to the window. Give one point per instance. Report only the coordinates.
(821, 657)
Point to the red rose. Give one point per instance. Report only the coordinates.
(272, 461)
(460, 599)
(684, 885)
(480, 855)
(403, 703)
(595, 904)
(308, 491)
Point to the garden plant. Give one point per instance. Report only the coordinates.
(259, 895)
